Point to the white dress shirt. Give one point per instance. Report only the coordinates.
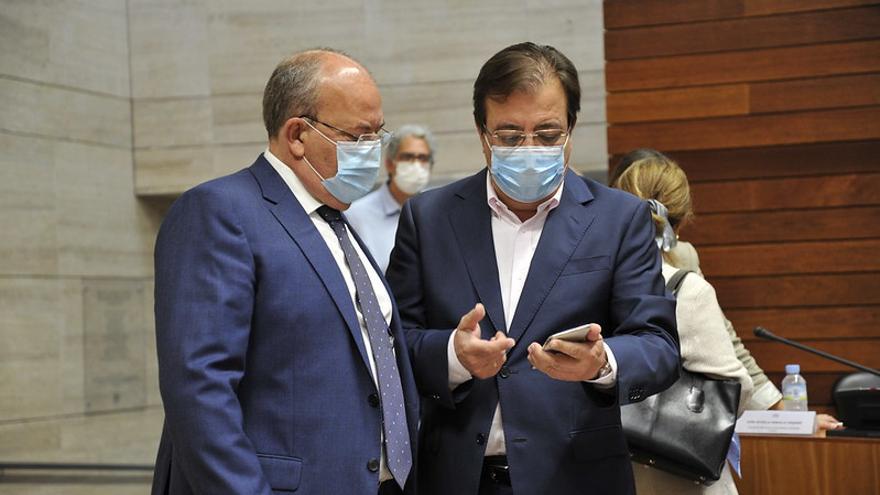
(375, 218)
(515, 245)
(311, 205)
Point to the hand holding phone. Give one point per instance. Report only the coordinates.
(576, 334)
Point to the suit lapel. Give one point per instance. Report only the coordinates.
(472, 224)
(563, 231)
(287, 210)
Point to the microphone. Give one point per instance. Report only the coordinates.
(767, 334)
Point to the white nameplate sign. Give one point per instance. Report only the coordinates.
(777, 423)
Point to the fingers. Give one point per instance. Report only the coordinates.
(582, 364)
(482, 358)
(470, 321)
(538, 357)
(827, 422)
(595, 333)
(487, 356)
(484, 363)
(573, 349)
(502, 342)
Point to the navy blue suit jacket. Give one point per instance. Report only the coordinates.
(597, 262)
(263, 373)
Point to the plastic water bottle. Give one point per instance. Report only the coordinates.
(794, 389)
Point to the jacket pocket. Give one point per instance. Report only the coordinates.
(584, 265)
(283, 473)
(598, 443)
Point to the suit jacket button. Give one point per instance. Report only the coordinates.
(373, 465)
(505, 372)
(435, 397)
(373, 399)
(481, 438)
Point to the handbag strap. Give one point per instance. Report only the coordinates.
(675, 281)
(673, 286)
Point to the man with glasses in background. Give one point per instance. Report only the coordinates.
(409, 156)
(484, 270)
(282, 363)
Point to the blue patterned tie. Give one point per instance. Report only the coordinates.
(394, 423)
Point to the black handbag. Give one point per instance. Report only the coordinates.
(685, 430)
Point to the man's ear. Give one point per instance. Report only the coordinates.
(390, 166)
(487, 151)
(293, 132)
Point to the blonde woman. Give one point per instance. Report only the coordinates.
(705, 344)
(682, 254)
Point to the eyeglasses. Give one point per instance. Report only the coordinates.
(514, 138)
(381, 135)
(414, 157)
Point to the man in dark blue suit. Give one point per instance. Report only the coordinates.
(282, 362)
(523, 250)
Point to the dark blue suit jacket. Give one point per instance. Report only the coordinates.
(262, 367)
(597, 262)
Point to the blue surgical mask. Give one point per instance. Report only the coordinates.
(357, 168)
(528, 173)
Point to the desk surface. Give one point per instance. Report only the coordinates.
(809, 465)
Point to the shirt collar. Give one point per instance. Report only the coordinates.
(500, 209)
(306, 200)
(389, 204)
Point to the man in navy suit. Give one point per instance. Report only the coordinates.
(525, 249)
(282, 362)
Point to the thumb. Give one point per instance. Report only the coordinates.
(595, 332)
(470, 321)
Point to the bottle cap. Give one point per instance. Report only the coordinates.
(792, 369)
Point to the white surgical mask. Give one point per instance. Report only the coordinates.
(411, 177)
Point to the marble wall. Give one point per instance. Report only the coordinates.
(110, 108)
(77, 357)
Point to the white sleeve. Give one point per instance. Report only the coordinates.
(705, 344)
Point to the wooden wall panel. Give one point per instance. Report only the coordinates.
(637, 13)
(798, 291)
(628, 13)
(802, 94)
(772, 107)
(791, 258)
(674, 104)
(767, 7)
(744, 98)
(808, 323)
(749, 131)
(800, 192)
(744, 33)
(750, 65)
(865, 351)
(772, 226)
(776, 161)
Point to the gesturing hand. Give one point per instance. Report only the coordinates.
(482, 358)
(571, 361)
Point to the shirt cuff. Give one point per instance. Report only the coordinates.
(609, 379)
(764, 397)
(458, 374)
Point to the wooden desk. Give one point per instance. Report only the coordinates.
(812, 465)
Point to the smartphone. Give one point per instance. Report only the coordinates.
(576, 334)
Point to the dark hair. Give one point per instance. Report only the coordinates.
(525, 67)
(632, 157)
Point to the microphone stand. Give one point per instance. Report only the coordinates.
(767, 334)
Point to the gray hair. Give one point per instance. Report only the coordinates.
(409, 130)
(292, 90)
